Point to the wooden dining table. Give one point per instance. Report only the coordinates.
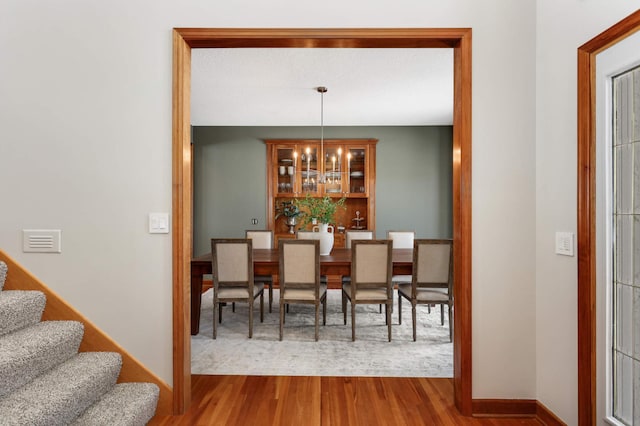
(265, 262)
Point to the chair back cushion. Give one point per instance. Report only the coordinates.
(232, 260)
(371, 262)
(261, 239)
(433, 264)
(401, 239)
(299, 262)
(307, 235)
(357, 235)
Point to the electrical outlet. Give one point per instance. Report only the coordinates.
(254, 221)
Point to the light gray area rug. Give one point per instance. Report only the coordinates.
(334, 354)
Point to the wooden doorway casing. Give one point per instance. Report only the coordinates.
(185, 39)
(587, 212)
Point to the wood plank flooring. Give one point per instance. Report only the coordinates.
(326, 401)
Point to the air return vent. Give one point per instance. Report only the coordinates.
(41, 241)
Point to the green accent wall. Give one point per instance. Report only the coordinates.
(413, 178)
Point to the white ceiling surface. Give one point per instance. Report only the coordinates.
(276, 87)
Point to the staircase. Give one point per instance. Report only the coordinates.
(44, 380)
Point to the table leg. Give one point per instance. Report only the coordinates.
(196, 299)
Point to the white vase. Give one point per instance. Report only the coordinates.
(326, 238)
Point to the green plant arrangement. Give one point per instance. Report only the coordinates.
(320, 208)
(288, 209)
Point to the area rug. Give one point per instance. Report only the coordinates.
(334, 354)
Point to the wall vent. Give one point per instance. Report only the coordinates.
(41, 241)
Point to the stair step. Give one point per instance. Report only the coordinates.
(59, 396)
(3, 274)
(31, 351)
(19, 309)
(127, 404)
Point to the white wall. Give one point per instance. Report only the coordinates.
(85, 113)
(561, 28)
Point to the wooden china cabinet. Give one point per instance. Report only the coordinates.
(295, 168)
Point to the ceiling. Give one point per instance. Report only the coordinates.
(277, 87)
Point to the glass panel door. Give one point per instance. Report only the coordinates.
(309, 169)
(626, 248)
(333, 170)
(285, 172)
(356, 170)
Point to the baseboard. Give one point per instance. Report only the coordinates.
(94, 339)
(515, 408)
(546, 416)
(504, 407)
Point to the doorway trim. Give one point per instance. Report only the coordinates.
(587, 211)
(185, 39)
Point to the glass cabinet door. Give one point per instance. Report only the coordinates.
(356, 170)
(333, 170)
(285, 172)
(308, 156)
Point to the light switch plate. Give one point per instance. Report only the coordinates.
(564, 243)
(158, 223)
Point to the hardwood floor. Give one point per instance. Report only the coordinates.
(286, 400)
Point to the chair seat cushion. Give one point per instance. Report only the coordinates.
(401, 278)
(239, 292)
(303, 293)
(367, 293)
(434, 295)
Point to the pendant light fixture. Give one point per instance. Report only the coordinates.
(321, 173)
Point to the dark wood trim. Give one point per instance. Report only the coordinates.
(182, 223)
(586, 213)
(545, 416)
(457, 38)
(462, 356)
(504, 407)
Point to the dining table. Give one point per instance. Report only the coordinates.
(265, 262)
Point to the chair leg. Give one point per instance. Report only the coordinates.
(233, 306)
(450, 325)
(380, 306)
(251, 317)
(441, 314)
(399, 308)
(270, 295)
(281, 316)
(413, 319)
(324, 310)
(219, 312)
(353, 322)
(344, 307)
(388, 309)
(216, 307)
(262, 307)
(317, 319)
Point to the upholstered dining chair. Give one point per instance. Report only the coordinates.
(299, 276)
(432, 279)
(401, 240)
(262, 239)
(371, 266)
(349, 236)
(310, 235)
(232, 267)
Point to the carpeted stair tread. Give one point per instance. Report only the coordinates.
(31, 351)
(127, 404)
(19, 309)
(3, 273)
(59, 396)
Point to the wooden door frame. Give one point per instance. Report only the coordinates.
(587, 211)
(185, 39)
